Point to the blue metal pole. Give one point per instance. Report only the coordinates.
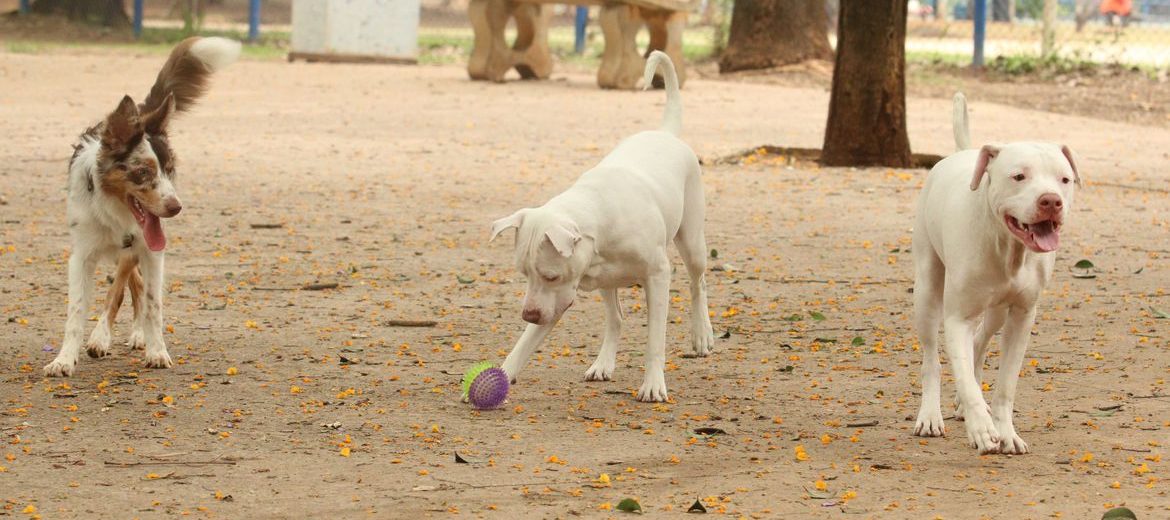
(23, 6)
(582, 19)
(980, 18)
(254, 21)
(137, 18)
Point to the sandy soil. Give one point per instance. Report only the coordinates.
(305, 404)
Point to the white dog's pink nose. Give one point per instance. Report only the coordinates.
(531, 316)
(1050, 204)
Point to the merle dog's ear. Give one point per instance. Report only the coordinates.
(986, 154)
(1068, 154)
(123, 129)
(563, 237)
(511, 221)
(156, 122)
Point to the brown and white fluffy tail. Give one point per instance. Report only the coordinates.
(186, 73)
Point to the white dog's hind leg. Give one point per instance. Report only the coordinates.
(1015, 343)
(151, 317)
(992, 322)
(602, 369)
(525, 346)
(928, 287)
(658, 306)
(960, 337)
(81, 271)
(692, 246)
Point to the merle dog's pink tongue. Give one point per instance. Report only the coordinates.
(1045, 235)
(153, 231)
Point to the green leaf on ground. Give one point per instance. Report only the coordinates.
(858, 341)
(816, 315)
(1119, 513)
(629, 505)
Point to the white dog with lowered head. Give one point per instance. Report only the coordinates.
(989, 221)
(612, 229)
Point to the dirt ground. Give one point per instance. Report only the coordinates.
(307, 404)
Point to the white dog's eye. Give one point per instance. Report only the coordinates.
(1065, 180)
(1019, 177)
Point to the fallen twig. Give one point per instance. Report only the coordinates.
(117, 464)
(319, 286)
(862, 424)
(411, 323)
(267, 226)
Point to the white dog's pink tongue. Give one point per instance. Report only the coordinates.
(153, 231)
(1047, 239)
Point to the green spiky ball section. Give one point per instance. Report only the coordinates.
(471, 373)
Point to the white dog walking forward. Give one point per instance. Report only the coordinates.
(988, 223)
(611, 229)
(121, 184)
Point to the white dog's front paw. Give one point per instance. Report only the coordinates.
(653, 388)
(158, 359)
(982, 433)
(60, 368)
(930, 423)
(1012, 444)
(702, 341)
(98, 345)
(1009, 441)
(602, 370)
(137, 339)
(511, 370)
(961, 414)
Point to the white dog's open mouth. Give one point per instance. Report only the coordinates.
(1041, 237)
(151, 225)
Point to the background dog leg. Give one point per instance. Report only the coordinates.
(156, 348)
(525, 346)
(602, 369)
(658, 306)
(1015, 344)
(98, 345)
(81, 272)
(137, 337)
(960, 336)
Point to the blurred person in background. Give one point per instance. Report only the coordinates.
(1116, 12)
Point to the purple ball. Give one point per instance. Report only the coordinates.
(489, 389)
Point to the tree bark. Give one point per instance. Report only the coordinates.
(770, 33)
(1048, 31)
(109, 13)
(1084, 11)
(867, 110)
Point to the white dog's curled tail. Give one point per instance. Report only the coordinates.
(672, 119)
(959, 122)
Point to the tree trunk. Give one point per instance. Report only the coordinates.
(1084, 11)
(867, 110)
(770, 33)
(1048, 32)
(109, 13)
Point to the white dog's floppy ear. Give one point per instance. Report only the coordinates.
(986, 154)
(1068, 154)
(563, 238)
(511, 221)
